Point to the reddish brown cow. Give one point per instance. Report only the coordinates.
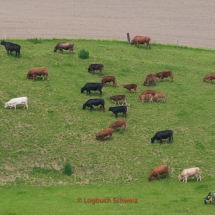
(157, 171)
(141, 40)
(158, 96)
(106, 79)
(151, 78)
(118, 124)
(165, 74)
(144, 97)
(104, 133)
(153, 92)
(209, 77)
(118, 98)
(130, 87)
(41, 71)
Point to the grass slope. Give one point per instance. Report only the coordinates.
(36, 143)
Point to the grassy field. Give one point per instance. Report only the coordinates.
(36, 143)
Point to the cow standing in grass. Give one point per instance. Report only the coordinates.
(10, 47)
(64, 46)
(157, 171)
(141, 40)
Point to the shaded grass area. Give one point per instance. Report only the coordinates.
(36, 143)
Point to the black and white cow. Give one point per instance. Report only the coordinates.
(167, 134)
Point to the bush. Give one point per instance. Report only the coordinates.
(83, 54)
(67, 169)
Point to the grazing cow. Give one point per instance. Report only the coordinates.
(165, 74)
(10, 47)
(141, 40)
(152, 92)
(106, 79)
(94, 102)
(94, 67)
(158, 96)
(151, 78)
(41, 71)
(157, 171)
(130, 87)
(118, 109)
(118, 98)
(167, 134)
(92, 86)
(104, 133)
(118, 124)
(17, 101)
(64, 46)
(191, 172)
(209, 77)
(144, 97)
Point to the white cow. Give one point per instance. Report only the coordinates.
(17, 101)
(195, 171)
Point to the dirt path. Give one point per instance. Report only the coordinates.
(181, 22)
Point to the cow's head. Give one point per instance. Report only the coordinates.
(82, 89)
(132, 42)
(7, 105)
(84, 106)
(55, 48)
(3, 42)
(180, 177)
(110, 109)
(152, 140)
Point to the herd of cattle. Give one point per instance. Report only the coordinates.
(150, 95)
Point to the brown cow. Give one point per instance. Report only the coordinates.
(141, 40)
(164, 74)
(95, 66)
(144, 97)
(41, 71)
(153, 92)
(118, 98)
(64, 45)
(104, 133)
(130, 87)
(151, 78)
(106, 79)
(209, 77)
(157, 171)
(158, 96)
(118, 124)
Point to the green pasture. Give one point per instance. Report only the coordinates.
(36, 143)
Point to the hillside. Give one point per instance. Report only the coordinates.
(36, 143)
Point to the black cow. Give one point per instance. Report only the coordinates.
(167, 134)
(94, 102)
(94, 67)
(118, 109)
(10, 47)
(92, 86)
